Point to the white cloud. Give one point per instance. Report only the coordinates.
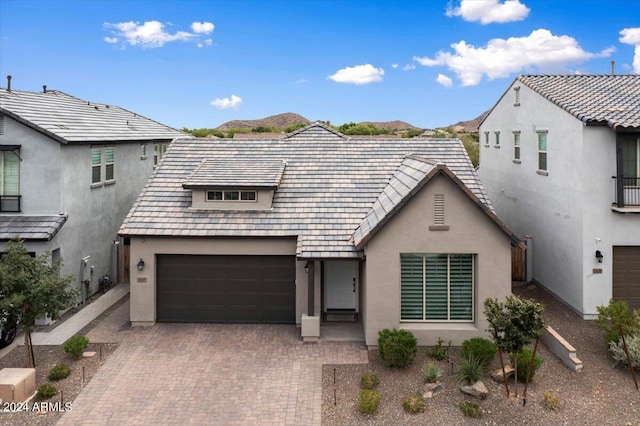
(632, 36)
(394, 66)
(540, 50)
(152, 34)
(360, 74)
(202, 27)
(232, 102)
(490, 11)
(444, 80)
(409, 67)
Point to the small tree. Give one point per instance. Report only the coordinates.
(31, 288)
(513, 325)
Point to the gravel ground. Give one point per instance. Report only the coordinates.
(601, 394)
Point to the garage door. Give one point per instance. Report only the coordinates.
(233, 289)
(626, 275)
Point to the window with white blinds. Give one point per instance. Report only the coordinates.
(437, 287)
(9, 173)
(102, 157)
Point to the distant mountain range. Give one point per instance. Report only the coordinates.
(282, 121)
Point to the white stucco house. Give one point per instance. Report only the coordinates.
(560, 158)
(70, 171)
(397, 232)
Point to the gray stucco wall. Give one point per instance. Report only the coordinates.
(470, 231)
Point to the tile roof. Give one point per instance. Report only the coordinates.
(30, 227)
(329, 185)
(236, 172)
(609, 100)
(68, 119)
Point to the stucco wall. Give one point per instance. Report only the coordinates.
(143, 284)
(471, 231)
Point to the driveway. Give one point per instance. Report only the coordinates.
(208, 374)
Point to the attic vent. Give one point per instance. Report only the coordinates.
(438, 209)
(1, 124)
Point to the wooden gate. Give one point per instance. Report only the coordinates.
(123, 263)
(518, 263)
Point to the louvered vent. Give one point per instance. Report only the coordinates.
(1, 124)
(438, 209)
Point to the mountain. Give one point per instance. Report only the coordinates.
(280, 121)
(470, 126)
(392, 125)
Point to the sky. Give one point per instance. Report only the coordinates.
(199, 64)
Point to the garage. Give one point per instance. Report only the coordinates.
(225, 289)
(626, 275)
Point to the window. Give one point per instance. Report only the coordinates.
(96, 165)
(630, 158)
(143, 151)
(109, 160)
(437, 287)
(542, 151)
(516, 146)
(497, 134)
(9, 181)
(516, 91)
(102, 157)
(486, 138)
(159, 150)
(231, 196)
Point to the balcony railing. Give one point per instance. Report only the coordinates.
(627, 194)
(10, 203)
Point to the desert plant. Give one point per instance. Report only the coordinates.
(414, 403)
(482, 349)
(75, 345)
(551, 401)
(46, 391)
(470, 370)
(398, 348)
(524, 360)
(59, 372)
(633, 346)
(439, 352)
(471, 409)
(431, 372)
(369, 401)
(369, 381)
(616, 316)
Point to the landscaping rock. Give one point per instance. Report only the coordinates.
(497, 375)
(88, 354)
(477, 390)
(432, 389)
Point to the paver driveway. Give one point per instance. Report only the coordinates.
(211, 374)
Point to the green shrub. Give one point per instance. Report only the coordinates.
(470, 370)
(633, 346)
(414, 403)
(75, 345)
(59, 372)
(551, 401)
(47, 390)
(369, 381)
(471, 409)
(525, 358)
(431, 372)
(439, 352)
(398, 348)
(481, 349)
(617, 313)
(369, 401)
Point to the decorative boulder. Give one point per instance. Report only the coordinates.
(477, 390)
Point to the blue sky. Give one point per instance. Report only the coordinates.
(202, 63)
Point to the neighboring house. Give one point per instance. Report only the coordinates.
(398, 231)
(560, 158)
(70, 171)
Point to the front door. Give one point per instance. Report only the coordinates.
(340, 287)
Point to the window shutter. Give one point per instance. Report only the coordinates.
(436, 287)
(411, 287)
(461, 286)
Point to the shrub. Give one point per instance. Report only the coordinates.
(47, 390)
(369, 381)
(431, 372)
(59, 372)
(414, 403)
(633, 346)
(617, 313)
(471, 409)
(469, 370)
(398, 348)
(551, 401)
(439, 352)
(525, 358)
(369, 401)
(75, 345)
(482, 349)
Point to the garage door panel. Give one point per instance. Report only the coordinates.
(241, 289)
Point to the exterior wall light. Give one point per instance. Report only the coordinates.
(140, 265)
(599, 256)
(306, 268)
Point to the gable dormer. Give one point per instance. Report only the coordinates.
(232, 184)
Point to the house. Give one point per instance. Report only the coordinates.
(560, 158)
(399, 232)
(70, 171)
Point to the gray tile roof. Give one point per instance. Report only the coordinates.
(237, 173)
(30, 227)
(68, 119)
(610, 100)
(328, 187)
